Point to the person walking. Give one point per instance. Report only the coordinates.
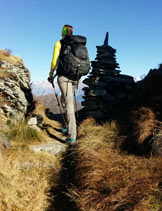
(66, 83)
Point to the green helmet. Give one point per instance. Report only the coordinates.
(65, 30)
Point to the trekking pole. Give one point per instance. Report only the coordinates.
(56, 95)
(76, 105)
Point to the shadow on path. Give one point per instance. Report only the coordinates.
(52, 116)
(55, 137)
(66, 180)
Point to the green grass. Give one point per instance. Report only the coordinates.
(21, 133)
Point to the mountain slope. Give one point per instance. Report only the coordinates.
(40, 88)
(50, 101)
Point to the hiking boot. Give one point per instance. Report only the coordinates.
(64, 130)
(70, 141)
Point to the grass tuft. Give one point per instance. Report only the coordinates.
(99, 134)
(7, 56)
(22, 134)
(8, 52)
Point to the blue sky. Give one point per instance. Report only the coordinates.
(30, 29)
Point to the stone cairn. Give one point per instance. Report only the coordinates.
(107, 90)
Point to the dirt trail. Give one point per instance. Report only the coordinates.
(53, 124)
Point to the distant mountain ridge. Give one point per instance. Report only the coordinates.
(50, 101)
(40, 88)
(139, 78)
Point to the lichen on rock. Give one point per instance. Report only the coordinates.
(15, 93)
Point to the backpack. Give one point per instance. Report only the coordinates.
(74, 58)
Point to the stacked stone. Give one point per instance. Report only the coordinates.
(107, 89)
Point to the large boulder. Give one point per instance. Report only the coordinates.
(16, 99)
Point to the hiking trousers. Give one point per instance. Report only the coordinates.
(67, 88)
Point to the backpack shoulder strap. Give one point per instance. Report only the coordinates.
(68, 39)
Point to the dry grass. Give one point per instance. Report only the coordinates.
(4, 74)
(157, 139)
(139, 123)
(1, 147)
(144, 124)
(1, 121)
(8, 52)
(50, 125)
(138, 130)
(107, 180)
(104, 177)
(27, 177)
(40, 109)
(106, 133)
(20, 134)
(150, 95)
(10, 58)
(25, 180)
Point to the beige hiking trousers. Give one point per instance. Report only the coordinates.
(67, 88)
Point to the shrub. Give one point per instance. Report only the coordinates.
(8, 51)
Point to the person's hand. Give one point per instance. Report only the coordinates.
(50, 79)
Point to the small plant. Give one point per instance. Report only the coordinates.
(8, 51)
(21, 133)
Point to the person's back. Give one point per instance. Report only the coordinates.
(74, 59)
(67, 30)
(66, 85)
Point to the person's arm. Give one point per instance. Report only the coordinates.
(56, 53)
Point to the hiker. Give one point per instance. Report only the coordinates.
(67, 81)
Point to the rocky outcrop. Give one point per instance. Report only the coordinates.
(52, 148)
(107, 90)
(15, 94)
